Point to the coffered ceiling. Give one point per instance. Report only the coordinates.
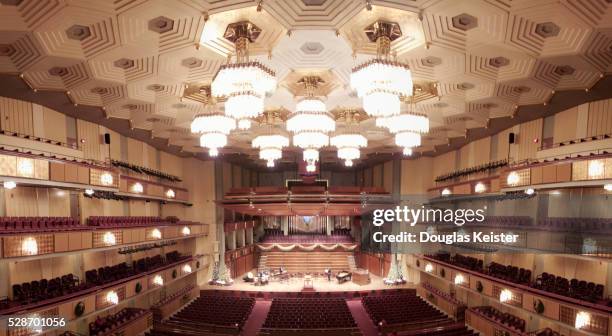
(143, 61)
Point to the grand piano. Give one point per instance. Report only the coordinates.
(343, 276)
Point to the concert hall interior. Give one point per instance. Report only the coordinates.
(306, 167)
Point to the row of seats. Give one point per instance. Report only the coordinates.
(216, 310)
(145, 170)
(104, 325)
(485, 167)
(578, 289)
(401, 309)
(510, 273)
(12, 225)
(506, 319)
(458, 329)
(576, 224)
(122, 221)
(309, 313)
(44, 289)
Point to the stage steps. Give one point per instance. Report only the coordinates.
(351, 262)
(307, 262)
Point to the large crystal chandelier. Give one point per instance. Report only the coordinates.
(245, 83)
(213, 128)
(382, 81)
(271, 144)
(349, 142)
(311, 123)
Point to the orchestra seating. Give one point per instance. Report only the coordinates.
(308, 314)
(458, 329)
(307, 262)
(123, 221)
(103, 325)
(578, 289)
(506, 319)
(12, 225)
(404, 311)
(206, 315)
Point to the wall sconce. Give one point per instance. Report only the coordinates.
(608, 187)
(106, 179)
(480, 188)
(513, 178)
(89, 192)
(29, 246)
(137, 188)
(170, 193)
(155, 233)
(9, 185)
(25, 167)
(428, 268)
(505, 295)
(109, 239)
(530, 191)
(186, 231)
(459, 279)
(446, 192)
(187, 268)
(112, 297)
(596, 169)
(158, 280)
(583, 319)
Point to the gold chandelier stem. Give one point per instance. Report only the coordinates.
(383, 47)
(242, 50)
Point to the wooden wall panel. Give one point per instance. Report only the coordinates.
(16, 116)
(54, 125)
(388, 178)
(565, 125)
(600, 118)
(444, 163)
(417, 176)
(527, 132)
(377, 175)
(481, 151)
(89, 140)
(134, 152)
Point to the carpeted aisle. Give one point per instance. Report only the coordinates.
(257, 318)
(362, 318)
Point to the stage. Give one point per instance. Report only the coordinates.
(320, 284)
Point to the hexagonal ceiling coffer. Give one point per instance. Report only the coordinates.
(312, 48)
(439, 105)
(490, 105)
(78, 32)
(499, 62)
(465, 86)
(191, 62)
(465, 21)
(314, 2)
(124, 63)
(242, 29)
(99, 90)
(564, 70)
(58, 71)
(155, 87)
(6, 50)
(161, 24)
(547, 29)
(11, 2)
(130, 106)
(431, 61)
(522, 89)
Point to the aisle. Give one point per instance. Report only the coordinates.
(257, 318)
(362, 318)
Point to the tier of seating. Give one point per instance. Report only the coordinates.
(223, 314)
(123, 221)
(12, 225)
(106, 195)
(458, 329)
(506, 319)
(145, 170)
(576, 224)
(44, 289)
(105, 325)
(578, 289)
(308, 313)
(43, 155)
(574, 288)
(403, 312)
(486, 167)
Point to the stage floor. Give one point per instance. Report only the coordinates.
(319, 284)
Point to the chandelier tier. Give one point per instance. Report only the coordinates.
(213, 127)
(404, 122)
(350, 142)
(270, 147)
(381, 81)
(244, 83)
(311, 123)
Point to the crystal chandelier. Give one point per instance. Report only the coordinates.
(350, 141)
(271, 144)
(311, 123)
(382, 81)
(244, 83)
(212, 126)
